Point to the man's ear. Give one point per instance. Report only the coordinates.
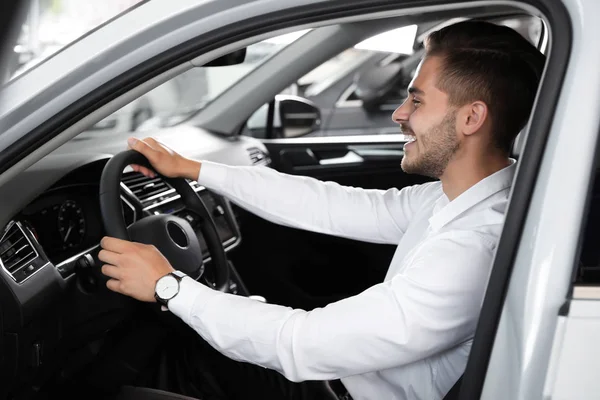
(472, 117)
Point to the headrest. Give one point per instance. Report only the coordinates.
(518, 145)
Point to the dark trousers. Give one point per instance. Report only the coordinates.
(193, 368)
(155, 356)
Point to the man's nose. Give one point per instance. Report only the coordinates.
(401, 113)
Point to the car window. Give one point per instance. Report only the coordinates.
(332, 86)
(356, 91)
(396, 41)
(51, 25)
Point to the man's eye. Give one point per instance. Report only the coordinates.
(416, 102)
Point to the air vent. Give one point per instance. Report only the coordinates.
(257, 156)
(147, 190)
(151, 190)
(16, 251)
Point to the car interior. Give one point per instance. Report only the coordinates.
(64, 333)
(588, 267)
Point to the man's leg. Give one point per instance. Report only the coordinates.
(196, 369)
(138, 393)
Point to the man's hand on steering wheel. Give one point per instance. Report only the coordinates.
(133, 267)
(134, 254)
(164, 160)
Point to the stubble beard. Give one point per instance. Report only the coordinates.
(434, 149)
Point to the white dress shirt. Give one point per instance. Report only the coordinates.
(406, 338)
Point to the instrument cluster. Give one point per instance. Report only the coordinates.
(66, 221)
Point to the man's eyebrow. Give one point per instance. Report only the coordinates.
(415, 90)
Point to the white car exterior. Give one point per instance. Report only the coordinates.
(541, 349)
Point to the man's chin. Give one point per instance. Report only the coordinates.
(415, 168)
(407, 166)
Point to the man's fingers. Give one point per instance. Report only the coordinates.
(115, 245)
(152, 142)
(109, 257)
(114, 285)
(149, 147)
(143, 170)
(111, 271)
(143, 146)
(157, 145)
(148, 172)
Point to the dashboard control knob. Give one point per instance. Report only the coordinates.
(218, 211)
(85, 261)
(36, 355)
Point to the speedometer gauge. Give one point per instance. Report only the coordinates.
(71, 224)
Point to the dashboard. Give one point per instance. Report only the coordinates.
(49, 250)
(48, 254)
(65, 222)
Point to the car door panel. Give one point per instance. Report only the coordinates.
(371, 162)
(306, 159)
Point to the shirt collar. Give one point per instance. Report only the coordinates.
(445, 211)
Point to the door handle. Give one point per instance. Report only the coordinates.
(349, 158)
(380, 154)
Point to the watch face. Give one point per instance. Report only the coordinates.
(167, 287)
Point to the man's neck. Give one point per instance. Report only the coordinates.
(462, 173)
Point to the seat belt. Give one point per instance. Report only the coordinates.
(454, 392)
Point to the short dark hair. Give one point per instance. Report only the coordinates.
(490, 63)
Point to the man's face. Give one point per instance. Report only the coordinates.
(426, 116)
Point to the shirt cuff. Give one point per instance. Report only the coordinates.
(212, 175)
(190, 293)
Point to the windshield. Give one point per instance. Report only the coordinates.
(53, 24)
(181, 97)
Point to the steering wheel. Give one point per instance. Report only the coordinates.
(173, 236)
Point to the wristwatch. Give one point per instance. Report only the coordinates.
(167, 287)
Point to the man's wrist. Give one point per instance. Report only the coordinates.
(193, 298)
(191, 169)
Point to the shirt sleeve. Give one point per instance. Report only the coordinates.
(375, 216)
(431, 307)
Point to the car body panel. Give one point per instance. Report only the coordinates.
(543, 268)
(576, 354)
(542, 272)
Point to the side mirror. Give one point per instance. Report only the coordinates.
(298, 116)
(233, 58)
(373, 85)
(287, 116)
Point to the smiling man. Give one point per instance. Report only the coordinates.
(408, 337)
